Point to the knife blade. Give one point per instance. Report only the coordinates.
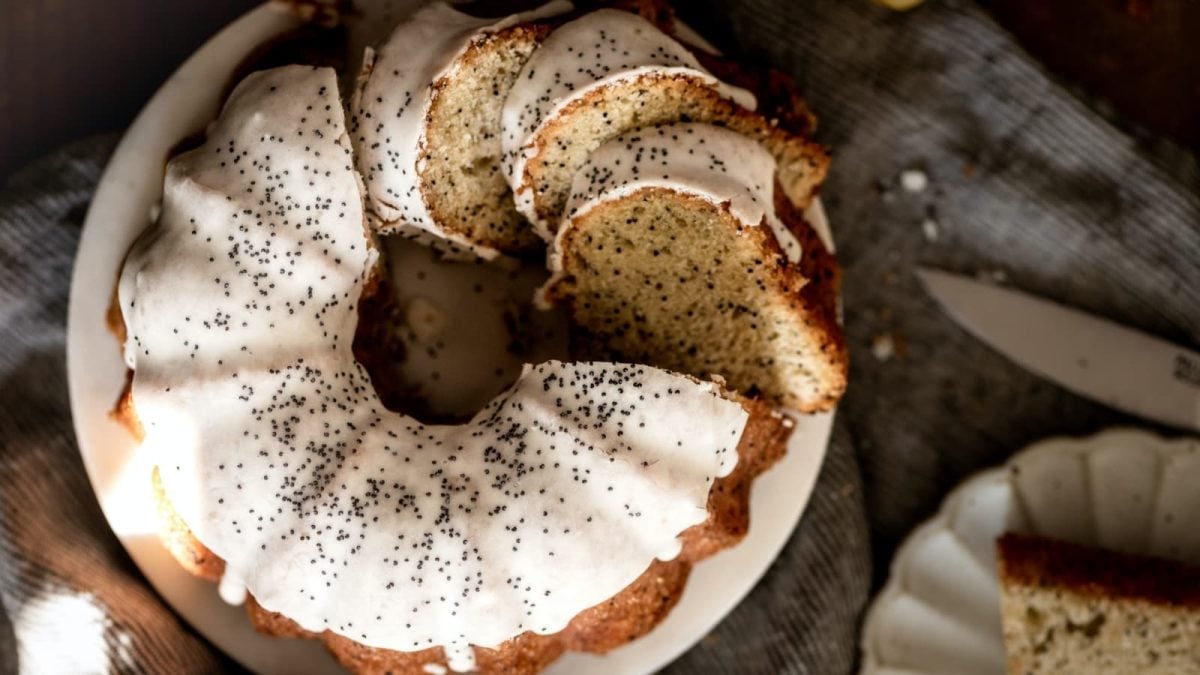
(1093, 357)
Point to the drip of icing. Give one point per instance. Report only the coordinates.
(600, 49)
(392, 103)
(704, 160)
(231, 589)
(434, 668)
(276, 451)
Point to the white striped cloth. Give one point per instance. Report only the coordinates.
(1023, 179)
(72, 600)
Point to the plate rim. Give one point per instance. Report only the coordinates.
(894, 587)
(85, 352)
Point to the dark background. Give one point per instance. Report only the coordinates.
(71, 68)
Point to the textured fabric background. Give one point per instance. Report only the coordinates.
(73, 601)
(1027, 184)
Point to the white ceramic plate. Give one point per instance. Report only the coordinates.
(1122, 489)
(120, 474)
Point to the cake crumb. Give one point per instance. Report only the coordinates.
(914, 180)
(883, 347)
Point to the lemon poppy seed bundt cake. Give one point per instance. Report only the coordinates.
(566, 513)
(334, 512)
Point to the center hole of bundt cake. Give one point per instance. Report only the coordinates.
(442, 337)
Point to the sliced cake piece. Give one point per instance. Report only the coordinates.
(1070, 609)
(609, 72)
(427, 125)
(673, 254)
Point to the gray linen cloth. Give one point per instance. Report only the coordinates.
(1026, 184)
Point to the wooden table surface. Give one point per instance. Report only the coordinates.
(69, 69)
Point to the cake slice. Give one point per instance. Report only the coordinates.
(1074, 609)
(674, 254)
(609, 72)
(426, 125)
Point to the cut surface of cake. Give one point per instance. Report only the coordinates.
(427, 125)
(1071, 609)
(609, 72)
(674, 253)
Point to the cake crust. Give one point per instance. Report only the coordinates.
(1097, 573)
(1074, 609)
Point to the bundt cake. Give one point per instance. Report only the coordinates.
(609, 72)
(1076, 610)
(566, 512)
(672, 253)
(564, 515)
(426, 125)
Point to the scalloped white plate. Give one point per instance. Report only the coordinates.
(120, 474)
(1122, 489)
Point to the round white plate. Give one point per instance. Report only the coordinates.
(120, 474)
(1122, 489)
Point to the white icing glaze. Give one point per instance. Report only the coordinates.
(703, 160)
(275, 450)
(392, 104)
(231, 588)
(601, 49)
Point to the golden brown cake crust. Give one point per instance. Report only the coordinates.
(1037, 561)
(823, 283)
(1067, 609)
(779, 99)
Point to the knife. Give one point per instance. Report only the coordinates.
(1093, 357)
